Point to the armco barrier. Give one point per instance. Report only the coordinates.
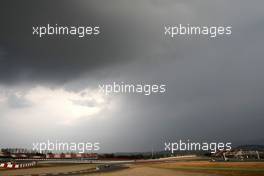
(16, 166)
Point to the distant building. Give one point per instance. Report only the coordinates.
(239, 154)
(16, 150)
(1, 153)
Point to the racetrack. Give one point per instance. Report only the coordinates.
(170, 167)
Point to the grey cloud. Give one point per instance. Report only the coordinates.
(15, 101)
(89, 103)
(214, 87)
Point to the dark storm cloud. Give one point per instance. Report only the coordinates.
(64, 58)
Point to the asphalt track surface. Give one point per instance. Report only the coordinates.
(104, 166)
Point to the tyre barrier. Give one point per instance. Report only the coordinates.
(16, 166)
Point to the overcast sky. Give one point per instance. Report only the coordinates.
(49, 86)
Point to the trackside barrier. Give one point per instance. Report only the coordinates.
(16, 166)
